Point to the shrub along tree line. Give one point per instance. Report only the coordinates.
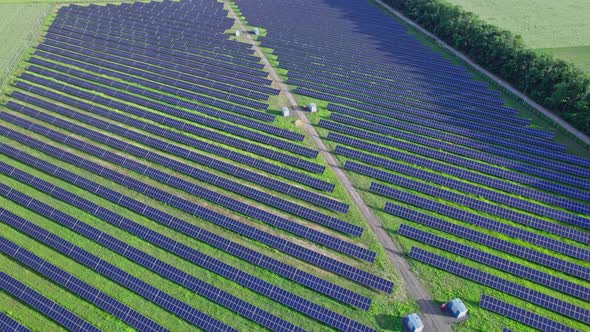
(553, 83)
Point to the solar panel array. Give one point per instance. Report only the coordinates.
(298, 251)
(488, 259)
(114, 273)
(9, 324)
(185, 124)
(527, 294)
(180, 225)
(521, 315)
(79, 287)
(207, 290)
(44, 305)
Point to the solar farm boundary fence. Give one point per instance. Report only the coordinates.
(497, 82)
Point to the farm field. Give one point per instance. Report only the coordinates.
(559, 28)
(148, 180)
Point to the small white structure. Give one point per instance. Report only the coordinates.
(285, 111)
(237, 33)
(312, 107)
(457, 308)
(413, 323)
(257, 31)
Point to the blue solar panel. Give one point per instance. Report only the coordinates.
(79, 287)
(517, 290)
(44, 305)
(180, 225)
(9, 324)
(298, 251)
(215, 294)
(523, 316)
(317, 199)
(490, 241)
(522, 271)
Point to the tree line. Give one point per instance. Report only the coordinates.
(551, 82)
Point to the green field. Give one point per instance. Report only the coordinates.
(561, 28)
(20, 25)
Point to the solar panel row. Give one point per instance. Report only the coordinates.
(524, 219)
(521, 315)
(117, 275)
(517, 269)
(450, 133)
(276, 242)
(183, 50)
(314, 198)
(204, 133)
(252, 256)
(77, 286)
(452, 120)
(464, 172)
(213, 293)
(194, 143)
(46, 306)
(517, 290)
(197, 92)
(517, 202)
(489, 224)
(534, 165)
(9, 324)
(204, 289)
(174, 181)
(190, 82)
(550, 261)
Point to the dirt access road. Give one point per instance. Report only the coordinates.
(431, 315)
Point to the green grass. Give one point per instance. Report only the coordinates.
(559, 27)
(580, 55)
(20, 25)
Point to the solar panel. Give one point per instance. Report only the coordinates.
(252, 256)
(523, 316)
(183, 310)
(490, 241)
(44, 305)
(290, 248)
(9, 324)
(79, 287)
(520, 270)
(213, 293)
(503, 285)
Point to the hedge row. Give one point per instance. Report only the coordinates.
(553, 83)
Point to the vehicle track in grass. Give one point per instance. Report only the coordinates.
(433, 319)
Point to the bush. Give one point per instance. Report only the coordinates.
(555, 84)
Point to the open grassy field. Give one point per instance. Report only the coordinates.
(20, 25)
(561, 28)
